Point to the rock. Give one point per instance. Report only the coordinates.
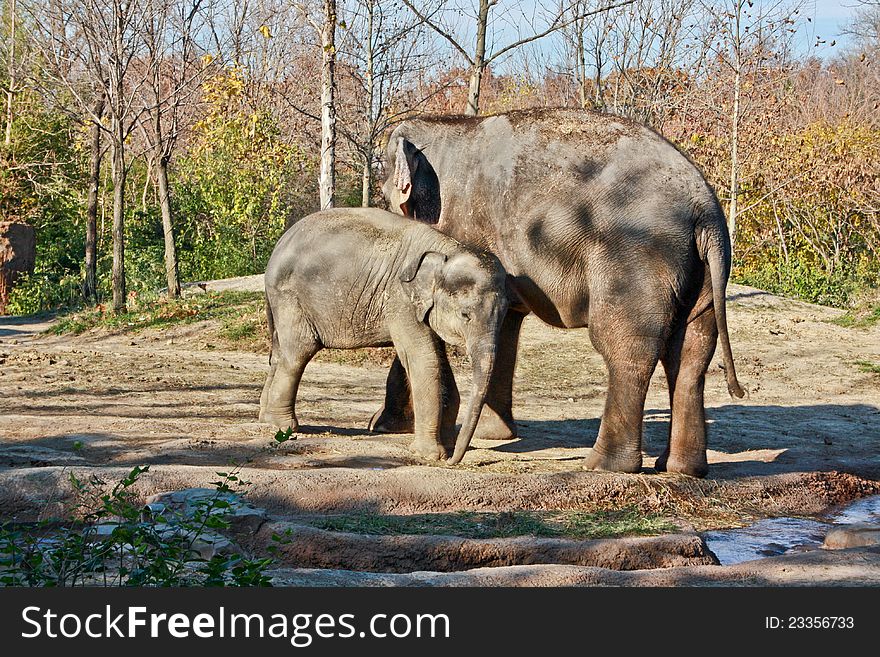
(242, 516)
(17, 246)
(17, 254)
(849, 536)
(206, 544)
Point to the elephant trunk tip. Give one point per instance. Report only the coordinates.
(457, 456)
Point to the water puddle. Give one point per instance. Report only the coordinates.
(775, 536)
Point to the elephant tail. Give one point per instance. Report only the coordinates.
(273, 337)
(715, 250)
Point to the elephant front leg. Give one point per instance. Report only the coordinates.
(450, 399)
(396, 414)
(419, 353)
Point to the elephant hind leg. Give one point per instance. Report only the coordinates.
(396, 414)
(296, 345)
(631, 357)
(686, 360)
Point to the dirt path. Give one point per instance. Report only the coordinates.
(807, 438)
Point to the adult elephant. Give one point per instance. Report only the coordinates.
(600, 223)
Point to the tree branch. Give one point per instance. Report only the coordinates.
(427, 21)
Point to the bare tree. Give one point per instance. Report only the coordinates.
(445, 23)
(327, 181)
(389, 52)
(744, 37)
(96, 154)
(11, 70)
(89, 47)
(325, 29)
(865, 26)
(169, 36)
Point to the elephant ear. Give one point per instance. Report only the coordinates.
(419, 279)
(405, 165)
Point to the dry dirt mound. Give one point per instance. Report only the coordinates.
(806, 439)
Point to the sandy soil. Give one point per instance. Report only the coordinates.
(805, 440)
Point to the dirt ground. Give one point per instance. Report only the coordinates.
(806, 439)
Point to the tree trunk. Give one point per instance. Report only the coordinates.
(171, 270)
(10, 93)
(479, 66)
(734, 123)
(367, 177)
(90, 284)
(119, 176)
(327, 180)
(581, 64)
(161, 159)
(734, 162)
(367, 182)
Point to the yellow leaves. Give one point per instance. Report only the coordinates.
(264, 30)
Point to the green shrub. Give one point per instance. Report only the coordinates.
(141, 548)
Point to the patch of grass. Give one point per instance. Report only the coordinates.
(568, 524)
(868, 367)
(859, 318)
(162, 313)
(606, 524)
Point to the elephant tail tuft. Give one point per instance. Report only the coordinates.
(715, 249)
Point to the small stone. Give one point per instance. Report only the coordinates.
(850, 536)
(208, 546)
(242, 516)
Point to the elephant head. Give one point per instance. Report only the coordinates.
(463, 298)
(412, 188)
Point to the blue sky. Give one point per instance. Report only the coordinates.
(830, 17)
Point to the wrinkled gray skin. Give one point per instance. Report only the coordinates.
(353, 277)
(601, 223)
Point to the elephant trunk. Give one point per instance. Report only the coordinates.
(482, 355)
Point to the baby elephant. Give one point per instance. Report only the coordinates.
(352, 277)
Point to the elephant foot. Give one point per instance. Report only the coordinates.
(630, 462)
(384, 421)
(430, 450)
(694, 467)
(281, 421)
(493, 427)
